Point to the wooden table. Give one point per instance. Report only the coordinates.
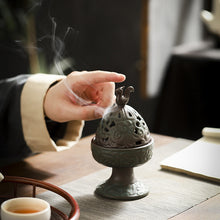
(62, 167)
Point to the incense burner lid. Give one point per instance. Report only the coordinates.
(122, 126)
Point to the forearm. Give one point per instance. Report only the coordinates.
(23, 128)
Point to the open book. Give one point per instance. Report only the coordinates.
(201, 158)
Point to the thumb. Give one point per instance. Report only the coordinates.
(89, 112)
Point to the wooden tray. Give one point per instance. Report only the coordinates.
(56, 214)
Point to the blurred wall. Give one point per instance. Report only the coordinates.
(171, 23)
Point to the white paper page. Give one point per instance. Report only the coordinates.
(202, 158)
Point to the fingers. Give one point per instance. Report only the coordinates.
(107, 96)
(101, 76)
(94, 77)
(96, 87)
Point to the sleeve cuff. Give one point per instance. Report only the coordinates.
(34, 126)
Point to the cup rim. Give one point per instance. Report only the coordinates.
(25, 214)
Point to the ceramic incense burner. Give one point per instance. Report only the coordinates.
(122, 141)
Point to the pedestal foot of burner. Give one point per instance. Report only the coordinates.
(131, 191)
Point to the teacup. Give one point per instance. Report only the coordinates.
(25, 208)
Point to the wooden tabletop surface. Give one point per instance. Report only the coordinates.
(62, 167)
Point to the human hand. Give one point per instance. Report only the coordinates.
(95, 88)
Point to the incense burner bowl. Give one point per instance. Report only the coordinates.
(122, 142)
(122, 185)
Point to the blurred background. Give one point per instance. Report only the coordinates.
(165, 49)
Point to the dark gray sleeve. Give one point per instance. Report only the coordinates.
(12, 143)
